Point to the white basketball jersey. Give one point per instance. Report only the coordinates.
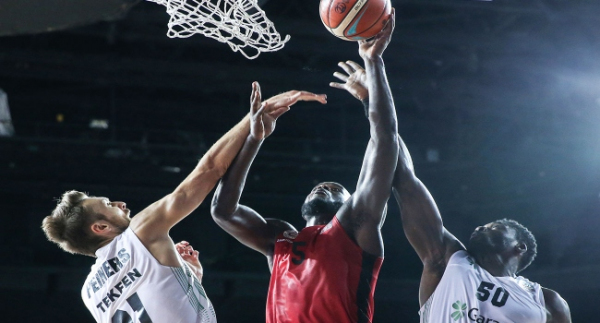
(467, 293)
(127, 284)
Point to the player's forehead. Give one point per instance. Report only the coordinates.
(94, 201)
(332, 184)
(501, 226)
(335, 185)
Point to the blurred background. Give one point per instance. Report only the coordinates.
(498, 102)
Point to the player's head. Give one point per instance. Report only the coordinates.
(504, 237)
(325, 199)
(81, 223)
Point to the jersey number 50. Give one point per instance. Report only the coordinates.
(500, 295)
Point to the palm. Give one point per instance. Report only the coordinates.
(264, 115)
(355, 80)
(269, 122)
(356, 85)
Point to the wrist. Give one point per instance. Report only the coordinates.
(253, 140)
(374, 59)
(365, 103)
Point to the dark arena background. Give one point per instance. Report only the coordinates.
(498, 101)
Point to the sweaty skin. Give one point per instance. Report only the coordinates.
(361, 214)
(423, 226)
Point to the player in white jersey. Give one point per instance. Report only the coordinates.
(478, 283)
(460, 285)
(140, 275)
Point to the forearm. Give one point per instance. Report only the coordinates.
(404, 176)
(229, 191)
(381, 112)
(213, 165)
(157, 219)
(218, 158)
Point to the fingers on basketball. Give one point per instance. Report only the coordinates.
(389, 24)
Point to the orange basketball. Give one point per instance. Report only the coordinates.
(354, 19)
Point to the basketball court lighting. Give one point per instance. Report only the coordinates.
(433, 155)
(171, 169)
(99, 124)
(6, 126)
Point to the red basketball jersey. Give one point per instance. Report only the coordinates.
(322, 276)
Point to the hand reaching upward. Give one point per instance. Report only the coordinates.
(355, 82)
(374, 47)
(263, 115)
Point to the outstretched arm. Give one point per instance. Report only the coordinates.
(240, 221)
(422, 224)
(153, 223)
(421, 219)
(364, 213)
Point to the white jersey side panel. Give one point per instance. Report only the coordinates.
(127, 284)
(467, 293)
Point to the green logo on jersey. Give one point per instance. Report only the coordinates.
(472, 262)
(460, 308)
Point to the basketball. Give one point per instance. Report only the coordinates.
(354, 19)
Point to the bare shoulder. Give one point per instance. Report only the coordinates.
(556, 306)
(278, 226)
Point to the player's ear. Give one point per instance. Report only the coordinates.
(521, 248)
(100, 227)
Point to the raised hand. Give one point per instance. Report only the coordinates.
(187, 252)
(374, 47)
(263, 116)
(355, 82)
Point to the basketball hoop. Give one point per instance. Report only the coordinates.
(242, 24)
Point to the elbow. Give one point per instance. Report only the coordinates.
(405, 180)
(219, 210)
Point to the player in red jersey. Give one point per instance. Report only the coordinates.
(326, 272)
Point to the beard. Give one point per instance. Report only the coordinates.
(320, 207)
(121, 224)
(481, 245)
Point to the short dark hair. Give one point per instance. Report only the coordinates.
(525, 236)
(68, 225)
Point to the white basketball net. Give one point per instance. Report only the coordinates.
(242, 24)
